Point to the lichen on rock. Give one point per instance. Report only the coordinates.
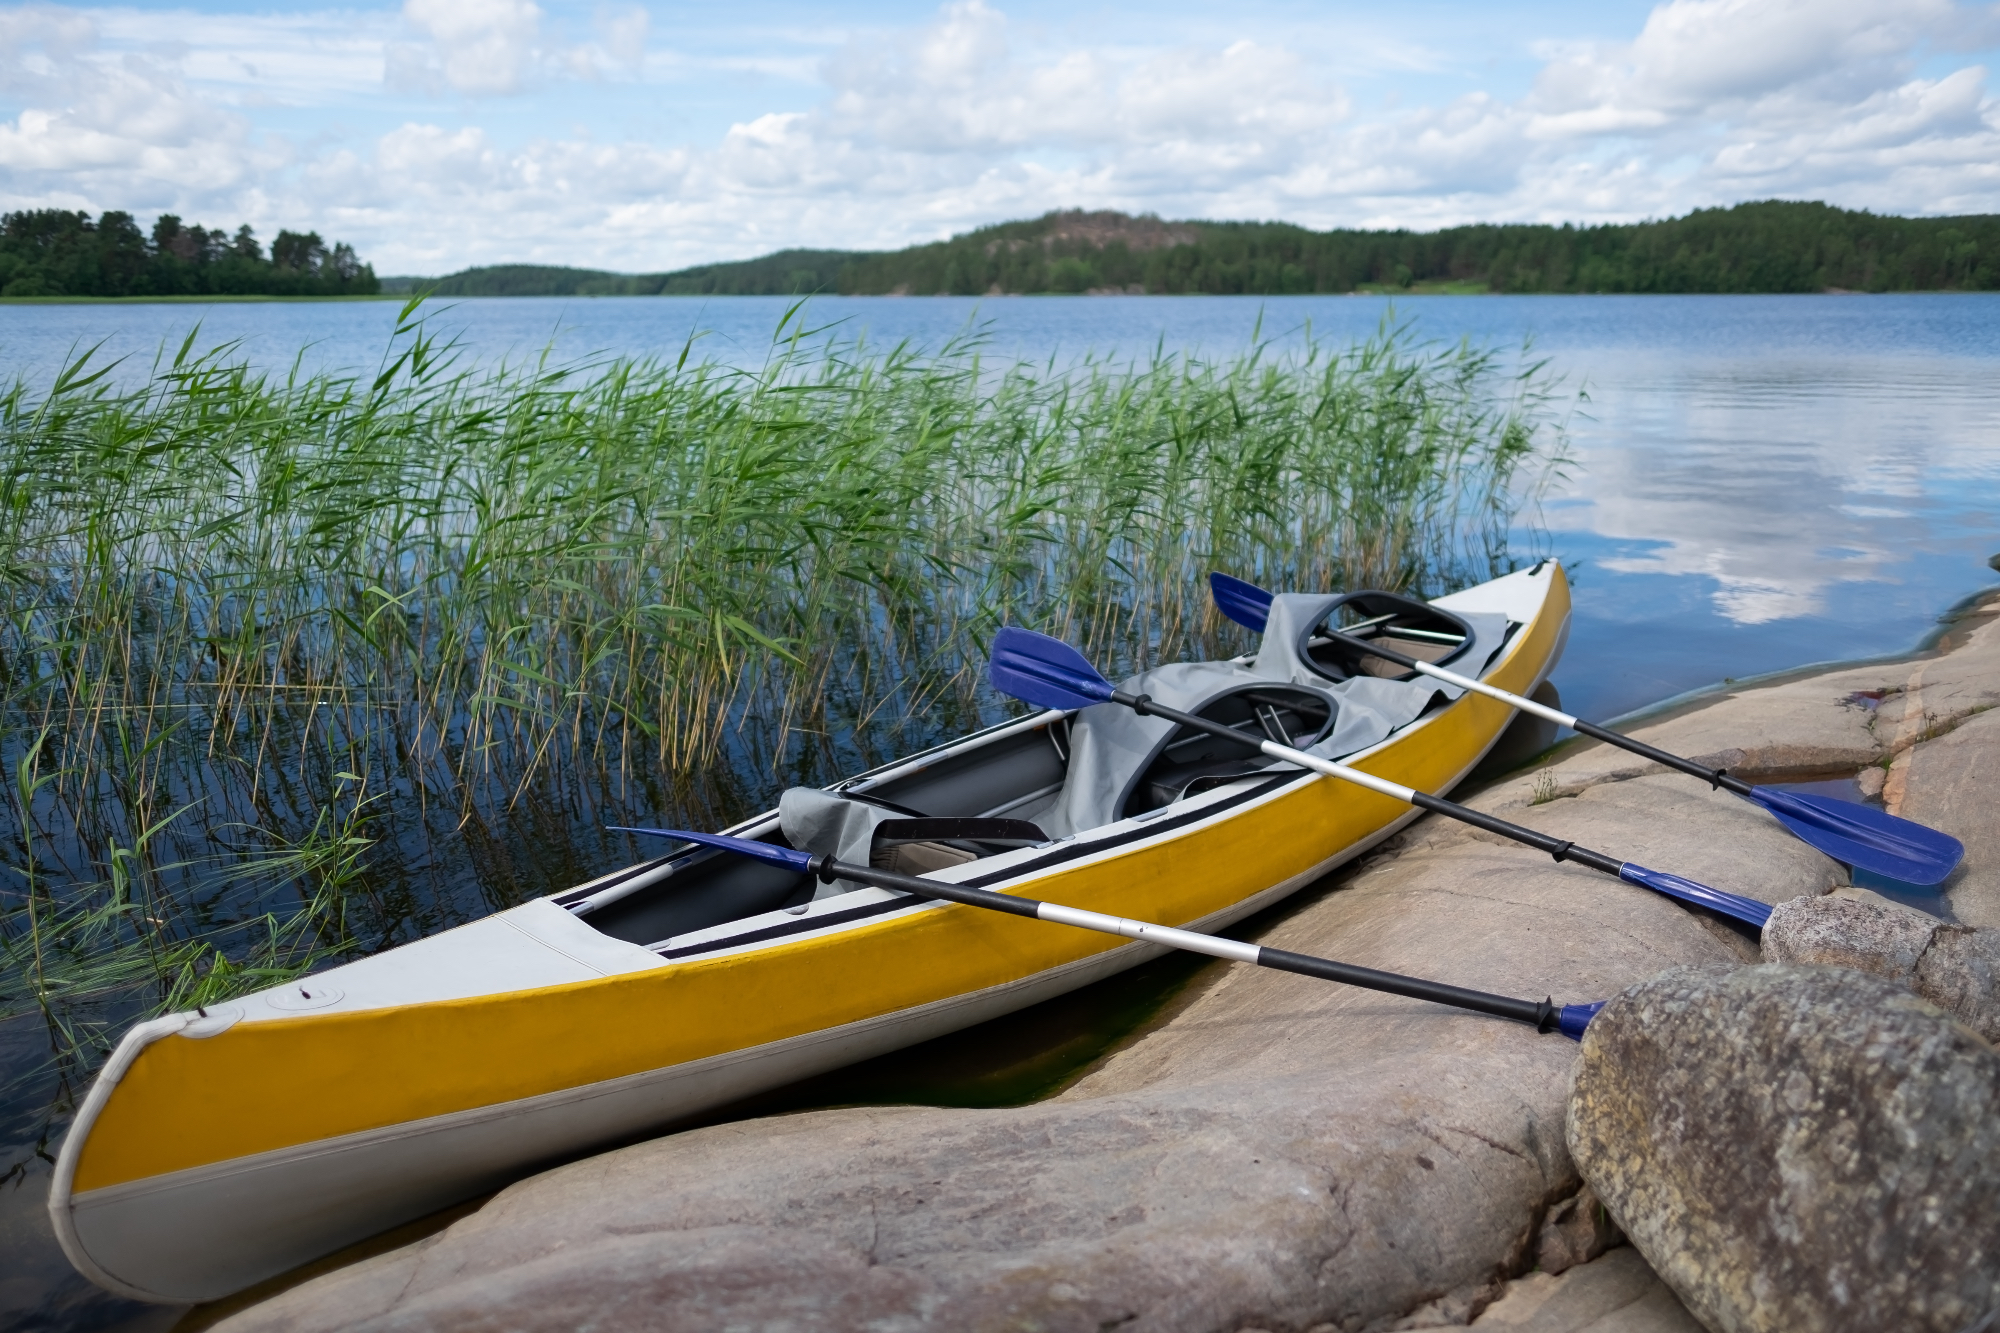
(1797, 1149)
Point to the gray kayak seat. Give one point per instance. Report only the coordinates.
(1293, 617)
(860, 831)
(827, 825)
(1371, 706)
(1111, 747)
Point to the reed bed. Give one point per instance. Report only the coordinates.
(298, 667)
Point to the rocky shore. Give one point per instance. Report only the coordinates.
(1768, 1120)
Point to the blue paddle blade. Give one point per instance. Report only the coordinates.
(1245, 603)
(1747, 910)
(1046, 672)
(1576, 1017)
(1864, 837)
(762, 851)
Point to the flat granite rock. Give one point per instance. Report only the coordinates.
(1818, 725)
(1953, 783)
(1618, 1293)
(1797, 1149)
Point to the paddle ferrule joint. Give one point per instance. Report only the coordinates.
(1576, 1017)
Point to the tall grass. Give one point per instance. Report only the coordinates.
(294, 667)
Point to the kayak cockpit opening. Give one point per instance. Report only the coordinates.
(1055, 777)
(996, 787)
(1191, 762)
(1402, 624)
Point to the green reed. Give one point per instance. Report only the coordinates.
(287, 660)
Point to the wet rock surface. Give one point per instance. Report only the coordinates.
(1797, 1148)
(1274, 1153)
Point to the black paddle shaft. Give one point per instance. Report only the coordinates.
(1558, 848)
(1543, 1015)
(1714, 777)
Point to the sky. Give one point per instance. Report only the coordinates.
(435, 134)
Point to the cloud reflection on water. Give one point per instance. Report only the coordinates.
(1778, 480)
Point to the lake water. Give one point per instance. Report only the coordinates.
(1760, 483)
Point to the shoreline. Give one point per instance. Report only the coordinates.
(1368, 290)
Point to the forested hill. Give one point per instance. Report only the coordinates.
(1760, 247)
(781, 273)
(50, 252)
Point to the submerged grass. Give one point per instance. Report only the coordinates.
(297, 667)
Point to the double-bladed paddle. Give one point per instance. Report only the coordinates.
(1860, 835)
(1542, 1015)
(1048, 672)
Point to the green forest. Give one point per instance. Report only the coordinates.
(50, 252)
(787, 271)
(1773, 246)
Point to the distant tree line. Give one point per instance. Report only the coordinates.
(51, 252)
(787, 271)
(1760, 247)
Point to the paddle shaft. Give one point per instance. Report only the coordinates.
(1714, 777)
(1542, 1015)
(1558, 848)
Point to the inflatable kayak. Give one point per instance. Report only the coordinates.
(226, 1145)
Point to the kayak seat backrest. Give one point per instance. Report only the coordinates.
(1122, 763)
(1189, 762)
(1402, 624)
(865, 830)
(919, 846)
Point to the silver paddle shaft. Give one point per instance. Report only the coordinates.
(1526, 705)
(1544, 1015)
(1715, 777)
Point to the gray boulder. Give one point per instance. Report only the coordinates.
(1797, 1149)
(1955, 967)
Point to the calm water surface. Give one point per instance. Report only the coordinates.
(1760, 482)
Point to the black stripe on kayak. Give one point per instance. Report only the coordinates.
(799, 927)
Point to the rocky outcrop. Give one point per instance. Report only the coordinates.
(1276, 1153)
(1797, 1149)
(1955, 967)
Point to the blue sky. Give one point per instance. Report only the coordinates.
(433, 134)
